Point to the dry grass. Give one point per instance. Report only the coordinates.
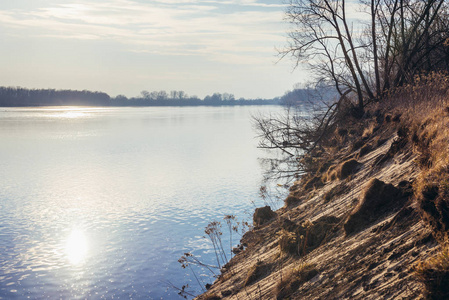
(300, 239)
(432, 193)
(258, 271)
(425, 122)
(314, 234)
(312, 182)
(209, 297)
(293, 280)
(434, 275)
(415, 101)
(288, 242)
(430, 137)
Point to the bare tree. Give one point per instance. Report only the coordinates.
(352, 53)
(361, 48)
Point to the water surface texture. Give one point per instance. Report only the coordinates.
(101, 202)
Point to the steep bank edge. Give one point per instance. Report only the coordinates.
(374, 262)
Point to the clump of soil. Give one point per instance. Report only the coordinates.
(288, 242)
(257, 271)
(301, 239)
(263, 215)
(377, 198)
(365, 150)
(336, 191)
(292, 200)
(343, 170)
(312, 235)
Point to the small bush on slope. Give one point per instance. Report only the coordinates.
(290, 283)
(434, 275)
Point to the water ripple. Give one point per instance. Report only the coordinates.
(101, 203)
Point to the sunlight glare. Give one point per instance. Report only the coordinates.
(76, 247)
(70, 115)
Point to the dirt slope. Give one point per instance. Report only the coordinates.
(308, 251)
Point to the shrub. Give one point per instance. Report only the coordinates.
(434, 275)
(288, 242)
(290, 283)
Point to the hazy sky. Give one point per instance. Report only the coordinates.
(126, 46)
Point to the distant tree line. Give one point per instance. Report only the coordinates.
(16, 96)
(19, 97)
(180, 98)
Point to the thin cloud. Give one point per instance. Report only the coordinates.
(176, 27)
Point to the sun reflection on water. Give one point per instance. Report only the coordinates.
(76, 247)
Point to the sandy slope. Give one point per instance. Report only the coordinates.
(375, 263)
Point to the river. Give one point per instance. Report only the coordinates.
(100, 203)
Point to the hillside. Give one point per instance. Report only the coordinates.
(369, 222)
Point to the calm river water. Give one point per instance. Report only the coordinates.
(101, 202)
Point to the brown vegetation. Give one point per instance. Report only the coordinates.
(291, 282)
(406, 179)
(307, 236)
(288, 242)
(434, 275)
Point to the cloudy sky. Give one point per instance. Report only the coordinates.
(126, 46)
